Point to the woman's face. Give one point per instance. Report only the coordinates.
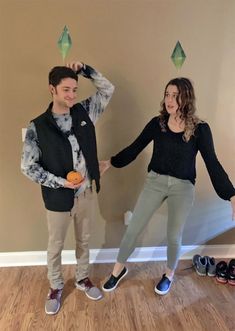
(170, 99)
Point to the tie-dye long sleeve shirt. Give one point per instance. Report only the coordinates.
(94, 105)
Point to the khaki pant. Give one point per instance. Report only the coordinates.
(58, 223)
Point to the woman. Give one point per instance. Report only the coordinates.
(178, 134)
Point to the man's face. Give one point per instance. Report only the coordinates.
(65, 93)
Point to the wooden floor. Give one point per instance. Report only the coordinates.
(194, 302)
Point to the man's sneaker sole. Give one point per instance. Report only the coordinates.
(81, 288)
(52, 313)
(113, 288)
(92, 298)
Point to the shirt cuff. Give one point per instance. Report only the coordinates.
(61, 181)
(86, 71)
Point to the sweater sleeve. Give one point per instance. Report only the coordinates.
(96, 104)
(30, 165)
(128, 154)
(219, 178)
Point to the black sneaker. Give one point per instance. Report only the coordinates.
(113, 281)
(231, 272)
(221, 272)
(163, 286)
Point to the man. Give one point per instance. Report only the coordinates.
(58, 141)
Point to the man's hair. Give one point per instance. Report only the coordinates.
(60, 72)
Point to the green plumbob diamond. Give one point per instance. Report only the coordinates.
(64, 42)
(178, 56)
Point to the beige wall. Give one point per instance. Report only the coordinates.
(130, 41)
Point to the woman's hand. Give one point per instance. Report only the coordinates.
(104, 166)
(232, 200)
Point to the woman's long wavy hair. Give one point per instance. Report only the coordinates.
(186, 110)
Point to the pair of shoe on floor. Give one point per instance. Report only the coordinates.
(225, 272)
(204, 265)
(161, 288)
(53, 301)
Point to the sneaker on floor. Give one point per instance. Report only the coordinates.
(221, 272)
(163, 286)
(91, 291)
(231, 272)
(53, 301)
(113, 281)
(211, 266)
(200, 264)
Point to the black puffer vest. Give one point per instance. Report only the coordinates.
(56, 156)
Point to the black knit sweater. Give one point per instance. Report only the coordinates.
(174, 157)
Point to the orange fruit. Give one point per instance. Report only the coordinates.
(74, 176)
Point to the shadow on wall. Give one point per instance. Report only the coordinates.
(223, 238)
(209, 221)
(120, 187)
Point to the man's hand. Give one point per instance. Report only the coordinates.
(68, 184)
(104, 166)
(76, 66)
(232, 200)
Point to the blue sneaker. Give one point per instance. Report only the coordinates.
(163, 286)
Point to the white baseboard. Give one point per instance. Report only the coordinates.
(143, 254)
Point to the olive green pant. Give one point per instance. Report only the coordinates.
(179, 195)
(58, 223)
